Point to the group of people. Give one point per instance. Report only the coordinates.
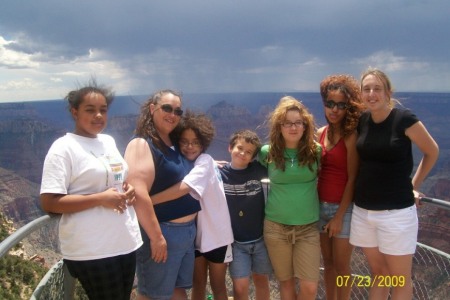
(170, 213)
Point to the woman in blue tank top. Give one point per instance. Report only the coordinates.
(165, 262)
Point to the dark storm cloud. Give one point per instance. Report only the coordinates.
(230, 45)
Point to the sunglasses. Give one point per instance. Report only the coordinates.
(331, 104)
(169, 109)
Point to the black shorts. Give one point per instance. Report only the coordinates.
(218, 255)
(107, 278)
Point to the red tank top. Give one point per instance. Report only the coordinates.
(333, 173)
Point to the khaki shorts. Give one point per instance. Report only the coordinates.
(294, 250)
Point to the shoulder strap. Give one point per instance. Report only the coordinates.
(323, 134)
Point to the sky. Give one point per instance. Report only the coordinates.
(49, 47)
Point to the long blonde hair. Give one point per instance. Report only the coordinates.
(307, 150)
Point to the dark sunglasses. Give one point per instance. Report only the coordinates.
(169, 109)
(331, 104)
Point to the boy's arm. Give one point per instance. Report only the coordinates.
(174, 192)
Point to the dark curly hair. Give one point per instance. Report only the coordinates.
(349, 87)
(145, 127)
(201, 124)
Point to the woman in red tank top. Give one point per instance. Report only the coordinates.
(342, 104)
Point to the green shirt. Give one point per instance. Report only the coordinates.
(293, 198)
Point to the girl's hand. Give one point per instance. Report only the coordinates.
(417, 196)
(333, 227)
(130, 192)
(114, 200)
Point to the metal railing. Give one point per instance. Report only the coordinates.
(437, 202)
(57, 283)
(431, 268)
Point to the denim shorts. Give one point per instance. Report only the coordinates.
(328, 211)
(250, 258)
(158, 280)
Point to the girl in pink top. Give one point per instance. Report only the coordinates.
(342, 104)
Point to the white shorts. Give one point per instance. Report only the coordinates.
(394, 231)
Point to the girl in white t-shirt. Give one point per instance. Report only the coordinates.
(84, 180)
(204, 183)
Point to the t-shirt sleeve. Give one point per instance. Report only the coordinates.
(408, 119)
(198, 178)
(262, 155)
(262, 169)
(319, 150)
(55, 174)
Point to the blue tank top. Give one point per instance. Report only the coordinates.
(170, 168)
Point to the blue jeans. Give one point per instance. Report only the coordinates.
(248, 258)
(158, 280)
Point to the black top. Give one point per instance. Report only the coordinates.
(386, 162)
(245, 197)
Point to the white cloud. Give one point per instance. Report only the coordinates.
(12, 59)
(26, 83)
(389, 62)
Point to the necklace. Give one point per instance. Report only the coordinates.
(292, 159)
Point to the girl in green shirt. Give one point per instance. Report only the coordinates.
(292, 210)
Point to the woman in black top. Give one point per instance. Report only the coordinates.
(384, 221)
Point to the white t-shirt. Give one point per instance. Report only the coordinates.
(80, 165)
(213, 221)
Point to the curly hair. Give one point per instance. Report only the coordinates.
(76, 97)
(201, 124)
(349, 87)
(145, 127)
(307, 150)
(249, 137)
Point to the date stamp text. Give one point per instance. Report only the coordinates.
(368, 281)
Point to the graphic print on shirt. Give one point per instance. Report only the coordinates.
(117, 170)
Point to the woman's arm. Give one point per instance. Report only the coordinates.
(58, 203)
(334, 227)
(141, 175)
(419, 135)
